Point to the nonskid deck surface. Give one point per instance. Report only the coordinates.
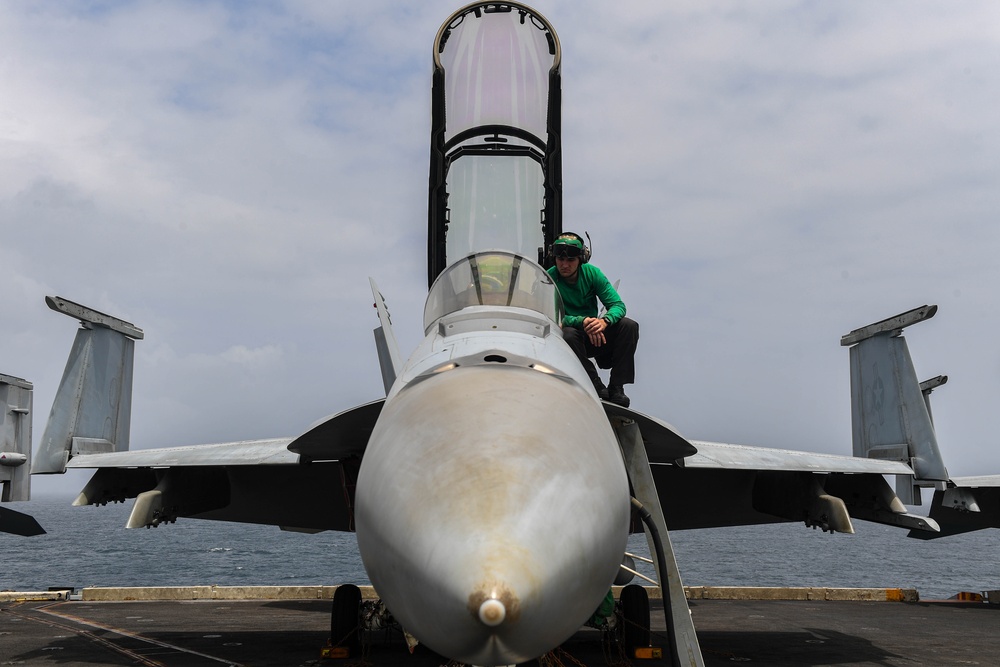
(292, 632)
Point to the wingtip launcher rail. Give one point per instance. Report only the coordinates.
(90, 317)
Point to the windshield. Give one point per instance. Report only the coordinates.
(494, 278)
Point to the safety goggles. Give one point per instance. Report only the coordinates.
(566, 252)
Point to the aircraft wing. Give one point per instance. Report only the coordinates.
(251, 482)
(730, 485)
(710, 484)
(722, 456)
(245, 452)
(304, 483)
(664, 445)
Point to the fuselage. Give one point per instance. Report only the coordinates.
(492, 505)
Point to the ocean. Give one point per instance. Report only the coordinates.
(90, 546)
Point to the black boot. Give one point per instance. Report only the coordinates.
(616, 394)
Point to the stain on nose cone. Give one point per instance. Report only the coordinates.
(492, 612)
(492, 511)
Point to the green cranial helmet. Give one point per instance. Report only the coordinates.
(570, 239)
(570, 244)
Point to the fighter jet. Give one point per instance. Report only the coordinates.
(491, 490)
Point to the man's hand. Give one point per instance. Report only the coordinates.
(594, 328)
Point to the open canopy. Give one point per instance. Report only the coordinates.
(495, 165)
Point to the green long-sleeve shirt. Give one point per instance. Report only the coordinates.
(581, 298)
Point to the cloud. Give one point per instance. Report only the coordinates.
(762, 177)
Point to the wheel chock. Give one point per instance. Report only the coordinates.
(334, 653)
(648, 653)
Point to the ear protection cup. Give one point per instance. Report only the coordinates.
(584, 258)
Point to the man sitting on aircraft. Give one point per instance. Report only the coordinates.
(610, 339)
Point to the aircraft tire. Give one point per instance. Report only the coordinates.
(344, 623)
(635, 616)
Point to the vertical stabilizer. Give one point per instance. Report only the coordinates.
(889, 413)
(92, 409)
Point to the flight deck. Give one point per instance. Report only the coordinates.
(223, 631)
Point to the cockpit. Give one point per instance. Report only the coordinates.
(493, 278)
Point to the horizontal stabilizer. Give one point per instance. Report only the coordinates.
(17, 523)
(967, 504)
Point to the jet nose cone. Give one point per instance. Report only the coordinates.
(492, 612)
(492, 512)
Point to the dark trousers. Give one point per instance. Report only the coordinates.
(618, 353)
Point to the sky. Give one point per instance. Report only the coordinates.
(762, 177)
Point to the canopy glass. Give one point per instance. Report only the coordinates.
(494, 182)
(493, 279)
